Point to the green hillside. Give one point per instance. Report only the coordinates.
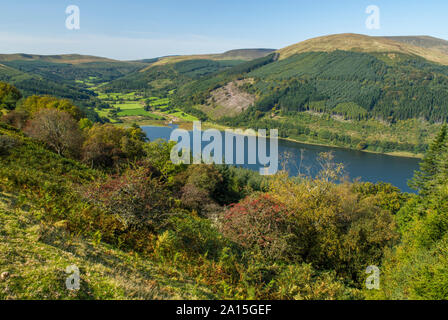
(98, 71)
(65, 76)
(68, 70)
(165, 77)
(356, 79)
(137, 226)
(30, 83)
(168, 73)
(424, 42)
(246, 54)
(36, 244)
(62, 58)
(390, 86)
(36, 257)
(237, 54)
(378, 94)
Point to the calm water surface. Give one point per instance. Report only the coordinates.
(365, 166)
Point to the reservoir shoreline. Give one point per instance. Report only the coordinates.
(211, 125)
(368, 166)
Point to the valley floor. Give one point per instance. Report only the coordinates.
(406, 138)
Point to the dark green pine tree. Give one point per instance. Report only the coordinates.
(224, 193)
(432, 164)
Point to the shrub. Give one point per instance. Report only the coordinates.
(197, 199)
(205, 177)
(34, 104)
(9, 95)
(333, 227)
(158, 154)
(85, 123)
(16, 119)
(140, 201)
(58, 129)
(108, 145)
(198, 185)
(197, 236)
(415, 273)
(302, 282)
(7, 143)
(258, 223)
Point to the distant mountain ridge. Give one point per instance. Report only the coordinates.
(247, 54)
(427, 47)
(431, 49)
(62, 58)
(423, 42)
(345, 72)
(298, 89)
(349, 75)
(237, 54)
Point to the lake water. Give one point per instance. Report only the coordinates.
(365, 166)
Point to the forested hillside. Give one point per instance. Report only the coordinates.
(64, 76)
(390, 86)
(168, 73)
(168, 76)
(377, 94)
(362, 83)
(87, 80)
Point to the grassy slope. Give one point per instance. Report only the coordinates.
(63, 58)
(423, 42)
(362, 43)
(332, 69)
(36, 253)
(36, 258)
(239, 54)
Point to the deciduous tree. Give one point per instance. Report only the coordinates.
(58, 129)
(9, 95)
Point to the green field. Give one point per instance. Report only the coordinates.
(89, 82)
(118, 96)
(160, 102)
(136, 112)
(128, 105)
(133, 104)
(182, 115)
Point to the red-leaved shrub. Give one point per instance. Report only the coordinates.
(138, 199)
(258, 223)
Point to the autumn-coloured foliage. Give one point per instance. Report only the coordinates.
(16, 118)
(9, 95)
(158, 154)
(258, 222)
(204, 176)
(333, 226)
(197, 186)
(107, 145)
(241, 235)
(136, 197)
(34, 104)
(58, 130)
(197, 199)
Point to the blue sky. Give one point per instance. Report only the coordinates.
(137, 29)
